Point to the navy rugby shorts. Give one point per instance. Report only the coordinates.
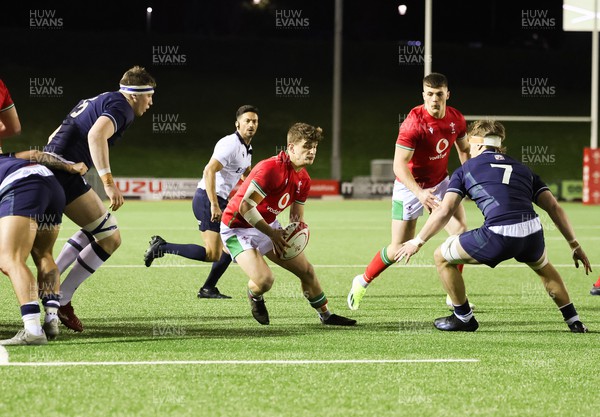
(490, 248)
(37, 197)
(201, 207)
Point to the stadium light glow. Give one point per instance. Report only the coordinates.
(148, 19)
(402, 9)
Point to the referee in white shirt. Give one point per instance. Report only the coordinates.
(230, 162)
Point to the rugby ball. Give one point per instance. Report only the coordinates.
(296, 234)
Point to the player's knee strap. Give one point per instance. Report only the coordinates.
(102, 227)
(542, 262)
(449, 251)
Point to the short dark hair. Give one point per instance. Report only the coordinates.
(245, 109)
(435, 80)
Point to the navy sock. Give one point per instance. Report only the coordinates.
(51, 300)
(217, 270)
(568, 311)
(30, 308)
(463, 310)
(189, 251)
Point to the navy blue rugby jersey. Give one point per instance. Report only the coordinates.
(8, 165)
(71, 141)
(503, 188)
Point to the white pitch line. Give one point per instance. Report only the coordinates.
(208, 265)
(245, 362)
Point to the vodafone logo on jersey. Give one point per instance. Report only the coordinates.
(442, 145)
(283, 201)
(441, 148)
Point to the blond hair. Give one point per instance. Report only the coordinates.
(137, 76)
(488, 127)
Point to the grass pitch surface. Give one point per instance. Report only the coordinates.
(151, 348)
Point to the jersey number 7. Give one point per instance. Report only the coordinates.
(507, 171)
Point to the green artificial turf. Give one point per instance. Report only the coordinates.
(526, 362)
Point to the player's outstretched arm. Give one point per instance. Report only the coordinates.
(434, 224)
(51, 161)
(547, 202)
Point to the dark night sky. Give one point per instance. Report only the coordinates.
(490, 33)
(491, 21)
(235, 53)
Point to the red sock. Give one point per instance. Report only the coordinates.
(460, 267)
(597, 284)
(378, 264)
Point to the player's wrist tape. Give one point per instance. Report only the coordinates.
(252, 216)
(103, 171)
(107, 179)
(417, 241)
(575, 248)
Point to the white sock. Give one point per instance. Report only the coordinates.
(573, 319)
(32, 323)
(466, 317)
(51, 314)
(88, 261)
(324, 315)
(362, 281)
(71, 249)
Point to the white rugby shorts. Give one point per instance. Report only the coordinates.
(406, 205)
(240, 239)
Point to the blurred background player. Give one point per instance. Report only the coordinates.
(421, 169)
(31, 208)
(250, 229)
(230, 161)
(9, 119)
(85, 134)
(596, 288)
(503, 190)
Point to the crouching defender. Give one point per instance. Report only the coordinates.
(250, 230)
(503, 190)
(31, 208)
(85, 134)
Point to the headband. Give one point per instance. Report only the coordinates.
(136, 89)
(491, 140)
